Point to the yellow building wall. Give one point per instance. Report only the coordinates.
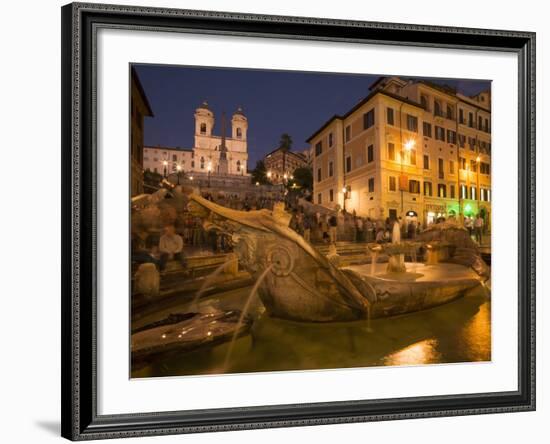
(378, 204)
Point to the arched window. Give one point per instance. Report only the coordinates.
(202, 163)
(203, 128)
(238, 165)
(239, 133)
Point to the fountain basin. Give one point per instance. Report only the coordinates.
(296, 282)
(420, 287)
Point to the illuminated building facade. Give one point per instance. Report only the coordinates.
(280, 164)
(211, 154)
(411, 149)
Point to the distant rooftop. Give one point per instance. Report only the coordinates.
(168, 148)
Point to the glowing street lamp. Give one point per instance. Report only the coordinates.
(209, 169)
(345, 190)
(408, 146)
(178, 169)
(478, 191)
(165, 165)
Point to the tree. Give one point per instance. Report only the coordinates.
(303, 178)
(151, 181)
(286, 142)
(259, 173)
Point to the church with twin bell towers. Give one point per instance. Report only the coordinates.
(224, 154)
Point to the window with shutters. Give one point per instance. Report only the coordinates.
(412, 123)
(389, 116)
(371, 185)
(370, 153)
(427, 129)
(368, 119)
(392, 183)
(391, 151)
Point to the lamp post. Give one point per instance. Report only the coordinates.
(165, 165)
(178, 169)
(345, 191)
(408, 146)
(209, 169)
(468, 208)
(478, 191)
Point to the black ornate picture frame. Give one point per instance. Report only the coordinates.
(80, 419)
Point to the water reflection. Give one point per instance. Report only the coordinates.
(423, 352)
(456, 332)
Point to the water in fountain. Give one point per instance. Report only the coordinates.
(396, 239)
(209, 280)
(369, 328)
(243, 314)
(373, 261)
(414, 259)
(396, 233)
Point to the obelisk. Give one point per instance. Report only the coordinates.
(223, 165)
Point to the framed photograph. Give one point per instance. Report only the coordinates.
(281, 221)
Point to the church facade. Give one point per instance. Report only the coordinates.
(224, 154)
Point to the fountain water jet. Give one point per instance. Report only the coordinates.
(210, 278)
(245, 309)
(414, 259)
(396, 233)
(374, 250)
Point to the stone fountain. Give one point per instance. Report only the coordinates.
(294, 281)
(304, 285)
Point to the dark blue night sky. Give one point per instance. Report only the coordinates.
(274, 102)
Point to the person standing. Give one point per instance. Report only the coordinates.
(403, 227)
(380, 235)
(307, 228)
(333, 224)
(359, 229)
(478, 227)
(324, 228)
(370, 230)
(469, 225)
(411, 230)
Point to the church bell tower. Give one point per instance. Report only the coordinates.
(204, 120)
(239, 124)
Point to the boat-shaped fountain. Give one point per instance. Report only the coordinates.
(295, 282)
(303, 285)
